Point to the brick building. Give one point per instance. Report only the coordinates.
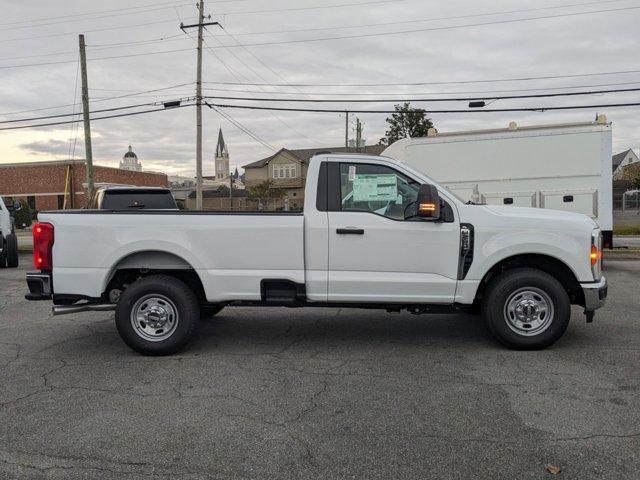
(42, 184)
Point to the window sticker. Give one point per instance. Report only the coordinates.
(352, 172)
(375, 188)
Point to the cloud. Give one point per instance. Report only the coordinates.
(46, 147)
(166, 140)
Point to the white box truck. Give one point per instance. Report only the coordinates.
(560, 167)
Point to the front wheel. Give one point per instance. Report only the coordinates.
(157, 315)
(526, 309)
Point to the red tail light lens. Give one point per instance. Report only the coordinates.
(42, 246)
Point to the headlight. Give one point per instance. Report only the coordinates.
(595, 254)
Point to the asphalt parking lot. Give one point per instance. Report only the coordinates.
(319, 393)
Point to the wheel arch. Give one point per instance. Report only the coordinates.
(546, 263)
(141, 263)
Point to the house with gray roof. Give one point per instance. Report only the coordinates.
(287, 169)
(620, 160)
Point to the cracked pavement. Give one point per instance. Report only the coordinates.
(319, 393)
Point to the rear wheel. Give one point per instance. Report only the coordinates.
(11, 245)
(157, 315)
(526, 309)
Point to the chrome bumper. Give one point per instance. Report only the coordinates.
(594, 294)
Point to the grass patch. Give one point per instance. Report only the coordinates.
(626, 230)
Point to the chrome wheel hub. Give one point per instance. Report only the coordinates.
(528, 311)
(154, 317)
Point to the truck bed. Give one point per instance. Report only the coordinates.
(232, 252)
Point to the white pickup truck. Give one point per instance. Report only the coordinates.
(374, 233)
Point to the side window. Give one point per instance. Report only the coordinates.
(376, 189)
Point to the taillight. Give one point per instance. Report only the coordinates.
(42, 246)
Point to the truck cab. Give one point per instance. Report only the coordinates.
(374, 233)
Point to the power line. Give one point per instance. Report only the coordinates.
(97, 58)
(113, 109)
(429, 29)
(454, 82)
(489, 92)
(66, 122)
(178, 36)
(318, 7)
(105, 29)
(450, 99)
(261, 78)
(241, 127)
(171, 38)
(119, 14)
(343, 110)
(432, 19)
(169, 5)
(86, 13)
(102, 99)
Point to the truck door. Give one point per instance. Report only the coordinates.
(375, 253)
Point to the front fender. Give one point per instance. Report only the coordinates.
(493, 247)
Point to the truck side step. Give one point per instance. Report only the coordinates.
(282, 292)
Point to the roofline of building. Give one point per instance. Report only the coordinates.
(292, 151)
(45, 162)
(72, 162)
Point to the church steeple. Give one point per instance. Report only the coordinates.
(222, 157)
(221, 148)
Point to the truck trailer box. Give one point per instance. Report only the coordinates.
(560, 167)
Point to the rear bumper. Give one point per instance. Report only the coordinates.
(40, 286)
(595, 294)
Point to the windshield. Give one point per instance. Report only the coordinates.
(427, 179)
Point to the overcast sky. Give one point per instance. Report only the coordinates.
(42, 31)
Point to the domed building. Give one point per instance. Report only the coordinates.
(130, 161)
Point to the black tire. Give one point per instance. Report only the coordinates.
(11, 244)
(208, 311)
(169, 295)
(506, 289)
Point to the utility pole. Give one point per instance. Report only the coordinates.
(87, 123)
(346, 129)
(199, 111)
(231, 190)
(201, 24)
(358, 134)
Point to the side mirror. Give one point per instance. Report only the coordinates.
(428, 203)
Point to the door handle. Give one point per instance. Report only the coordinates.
(350, 231)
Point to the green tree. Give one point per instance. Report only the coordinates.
(406, 122)
(22, 217)
(264, 192)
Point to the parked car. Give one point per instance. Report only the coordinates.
(8, 240)
(374, 233)
(559, 167)
(117, 197)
